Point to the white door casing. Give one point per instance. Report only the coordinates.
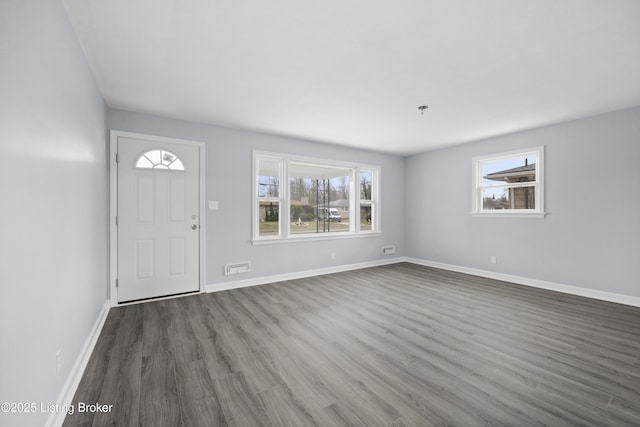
(159, 217)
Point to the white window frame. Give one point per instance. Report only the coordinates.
(538, 184)
(284, 199)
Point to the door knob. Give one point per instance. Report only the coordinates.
(194, 227)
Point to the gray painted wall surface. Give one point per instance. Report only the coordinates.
(228, 180)
(53, 246)
(591, 236)
(53, 243)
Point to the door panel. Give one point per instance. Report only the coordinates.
(158, 219)
(145, 192)
(177, 257)
(177, 199)
(144, 259)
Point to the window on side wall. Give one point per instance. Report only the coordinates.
(299, 197)
(509, 184)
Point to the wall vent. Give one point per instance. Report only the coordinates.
(388, 250)
(237, 268)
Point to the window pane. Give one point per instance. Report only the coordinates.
(366, 220)
(144, 163)
(268, 178)
(366, 179)
(159, 159)
(167, 158)
(508, 198)
(176, 165)
(513, 170)
(153, 156)
(319, 199)
(269, 218)
(303, 214)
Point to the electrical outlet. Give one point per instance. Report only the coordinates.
(494, 259)
(58, 361)
(333, 255)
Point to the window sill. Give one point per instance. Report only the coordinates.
(307, 238)
(508, 214)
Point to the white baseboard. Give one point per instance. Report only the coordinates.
(542, 284)
(567, 289)
(223, 286)
(73, 380)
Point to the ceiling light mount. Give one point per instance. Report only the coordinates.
(422, 108)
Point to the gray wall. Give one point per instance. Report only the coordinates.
(53, 250)
(591, 236)
(53, 203)
(228, 180)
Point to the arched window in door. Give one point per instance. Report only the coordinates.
(159, 159)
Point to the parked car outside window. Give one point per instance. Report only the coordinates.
(329, 214)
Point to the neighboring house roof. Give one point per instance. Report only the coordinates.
(512, 174)
(340, 203)
(334, 204)
(275, 203)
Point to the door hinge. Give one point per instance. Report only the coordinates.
(117, 158)
(116, 283)
(116, 219)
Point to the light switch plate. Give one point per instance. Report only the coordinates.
(213, 205)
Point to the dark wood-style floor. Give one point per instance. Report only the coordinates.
(399, 345)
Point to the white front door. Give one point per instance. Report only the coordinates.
(158, 218)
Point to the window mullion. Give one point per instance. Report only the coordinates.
(510, 185)
(285, 195)
(355, 200)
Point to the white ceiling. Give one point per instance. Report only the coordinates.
(354, 72)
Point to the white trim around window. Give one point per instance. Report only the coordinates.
(509, 184)
(297, 198)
